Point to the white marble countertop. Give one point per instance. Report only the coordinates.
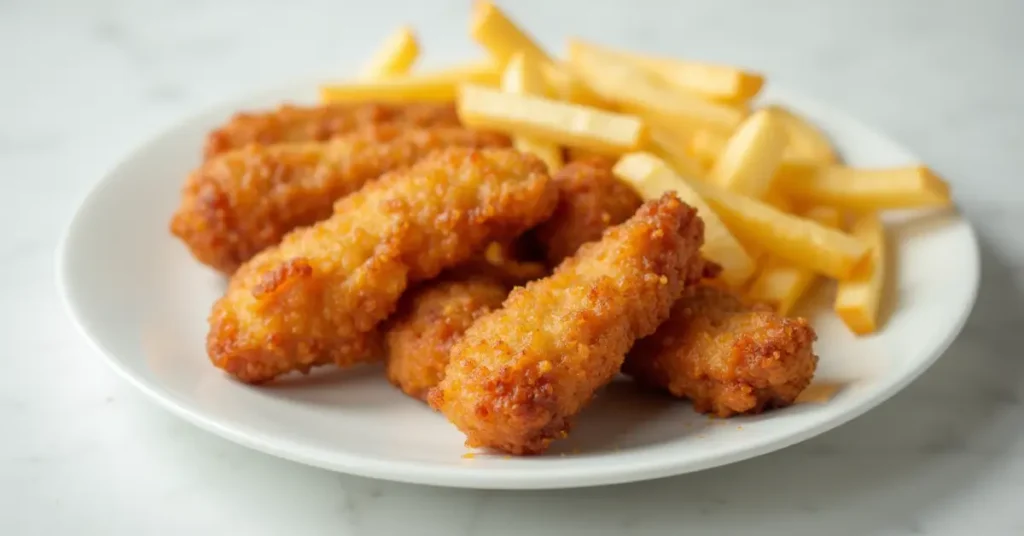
(82, 452)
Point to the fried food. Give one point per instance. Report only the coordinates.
(318, 296)
(520, 373)
(241, 202)
(727, 357)
(591, 200)
(291, 124)
(429, 320)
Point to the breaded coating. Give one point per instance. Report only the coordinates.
(520, 373)
(429, 320)
(241, 202)
(318, 296)
(290, 123)
(727, 357)
(591, 200)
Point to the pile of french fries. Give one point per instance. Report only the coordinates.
(780, 209)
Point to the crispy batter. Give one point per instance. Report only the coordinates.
(429, 320)
(522, 372)
(290, 124)
(591, 200)
(318, 296)
(725, 356)
(241, 202)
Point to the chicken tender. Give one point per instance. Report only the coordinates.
(429, 320)
(725, 356)
(318, 296)
(241, 202)
(591, 200)
(520, 373)
(290, 124)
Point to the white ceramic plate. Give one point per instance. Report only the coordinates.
(142, 301)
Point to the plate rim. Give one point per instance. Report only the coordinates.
(427, 473)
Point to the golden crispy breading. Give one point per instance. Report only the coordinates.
(290, 124)
(522, 372)
(317, 297)
(591, 200)
(725, 356)
(241, 202)
(429, 320)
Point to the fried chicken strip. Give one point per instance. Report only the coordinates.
(520, 373)
(318, 296)
(591, 200)
(290, 124)
(429, 320)
(727, 357)
(241, 202)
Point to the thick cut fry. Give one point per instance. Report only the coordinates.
(568, 87)
(799, 240)
(806, 142)
(520, 374)
(727, 357)
(291, 124)
(652, 177)
(523, 76)
(241, 202)
(750, 158)
(501, 37)
(859, 298)
(318, 296)
(781, 284)
(706, 146)
(719, 82)
(548, 120)
(776, 198)
(427, 86)
(637, 91)
(395, 56)
(671, 147)
(866, 189)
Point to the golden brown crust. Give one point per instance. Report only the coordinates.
(591, 199)
(522, 372)
(241, 202)
(725, 356)
(291, 124)
(318, 296)
(429, 320)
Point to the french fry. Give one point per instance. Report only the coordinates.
(501, 37)
(799, 240)
(524, 77)
(858, 299)
(806, 142)
(429, 86)
(651, 177)
(750, 158)
(568, 87)
(637, 91)
(717, 82)
(776, 198)
(395, 57)
(866, 189)
(781, 283)
(672, 149)
(548, 120)
(706, 145)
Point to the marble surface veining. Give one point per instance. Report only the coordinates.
(82, 452)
